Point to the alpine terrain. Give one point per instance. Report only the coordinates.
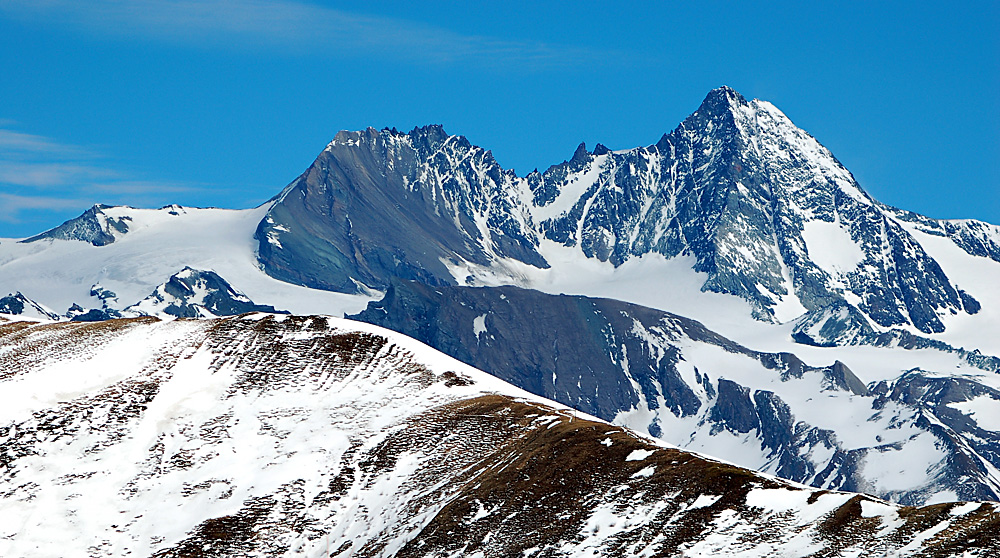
(729, 289)
(266, 435)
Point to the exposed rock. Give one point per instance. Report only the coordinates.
(93, 226)
(192, 293)
(378, 205)
(733, 409)
(840, 376)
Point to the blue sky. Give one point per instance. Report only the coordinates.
(223, 102)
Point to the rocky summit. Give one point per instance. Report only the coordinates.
(763, 209)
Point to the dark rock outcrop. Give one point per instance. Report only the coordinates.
(193, 293)
(378, 205)
(93, 226)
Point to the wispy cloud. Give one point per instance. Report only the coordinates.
(12, 206)
(292, 25)
(13, 143)
(40, 175)
(47, 175)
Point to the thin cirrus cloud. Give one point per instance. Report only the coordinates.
(13, 205)
(48, 175)
(39, 175)
(295, 26)
(12, 142)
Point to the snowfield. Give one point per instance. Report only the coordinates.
(158, 244)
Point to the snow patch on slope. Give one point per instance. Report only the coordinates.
(571, 194)
(983, 409)
(479, 326)
(831, 247)
(975, 275)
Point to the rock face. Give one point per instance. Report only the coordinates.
(16, 304)
(193, 293)
(767, 212)
(675, 379)
(272, 436)
(93, 226)
(382, 204)
(566, 348)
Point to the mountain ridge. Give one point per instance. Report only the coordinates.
(736, 185)
(740, 211)
(675, 379)
(736, 219)
(265, 435)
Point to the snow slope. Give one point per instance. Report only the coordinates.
(273, 435)
(159, 243)
(819, 422)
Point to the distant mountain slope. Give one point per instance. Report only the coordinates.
(59, 271)
(377, 205)
(16, 304)
(266, 436)
(675, 379)
(94, 226)
(194, 293)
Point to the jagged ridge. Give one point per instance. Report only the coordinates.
(767, 212)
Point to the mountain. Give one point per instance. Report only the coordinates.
(269, 435)
(378, 205)
(767, 212)
(736, 242)
(16, 304)
(760, 206)
(194, 293)
(65, 272)
(736, 198)
(907, 437)
(94, 226)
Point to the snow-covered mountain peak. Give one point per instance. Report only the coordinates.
(766, 212)
(722, 99)
(16, 304)
(756, 132)
(95, 226)
(194, 293)
(427, 138)
(381, 203)
(60, 273)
